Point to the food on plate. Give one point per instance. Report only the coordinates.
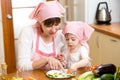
(59, 74)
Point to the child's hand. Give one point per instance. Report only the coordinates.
(69, 71)
(72, 69)
(60, 57)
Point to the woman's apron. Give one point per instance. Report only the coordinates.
(40, 54)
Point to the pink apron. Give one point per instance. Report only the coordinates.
(39, 54)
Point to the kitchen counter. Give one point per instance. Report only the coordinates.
(105, 44)
(41, 74)
(112, 29)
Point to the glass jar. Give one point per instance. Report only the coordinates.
(4, 72)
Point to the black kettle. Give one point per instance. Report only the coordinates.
(103, 15)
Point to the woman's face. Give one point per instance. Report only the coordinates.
(72, 41)
(50, 26)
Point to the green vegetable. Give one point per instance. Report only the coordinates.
(107, 77)
(86, 76)
(117, 74)
(16, 78)
(116, 77)
(51, 76)
(104, 69)
(73, 79)
(96, 78)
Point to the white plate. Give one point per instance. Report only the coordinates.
(59, 74)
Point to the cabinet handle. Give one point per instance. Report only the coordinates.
(9, 16)
(113, 40)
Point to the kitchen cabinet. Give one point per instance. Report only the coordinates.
(104, 49)
(94, 48)
(110, 49)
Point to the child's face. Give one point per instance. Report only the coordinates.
(72, 41)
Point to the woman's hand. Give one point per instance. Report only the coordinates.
(54, 63)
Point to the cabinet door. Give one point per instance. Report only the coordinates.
(109, 49)
(94, 48)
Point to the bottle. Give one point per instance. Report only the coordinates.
(4, 71)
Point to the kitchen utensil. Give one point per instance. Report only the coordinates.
(103, 15)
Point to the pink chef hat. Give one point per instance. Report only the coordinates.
(47, 10)
(82, 30)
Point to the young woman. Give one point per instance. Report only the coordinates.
(40, 43)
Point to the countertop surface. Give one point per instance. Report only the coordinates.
(41, 75)
(112, 29)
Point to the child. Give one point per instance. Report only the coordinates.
(77, 53)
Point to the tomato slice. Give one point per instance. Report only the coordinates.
(93, 67)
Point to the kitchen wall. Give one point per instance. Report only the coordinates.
(18, 8)
(75, 9)
(91, 6)
(85, 10)
(1, 40)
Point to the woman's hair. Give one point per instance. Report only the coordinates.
(52, 21)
